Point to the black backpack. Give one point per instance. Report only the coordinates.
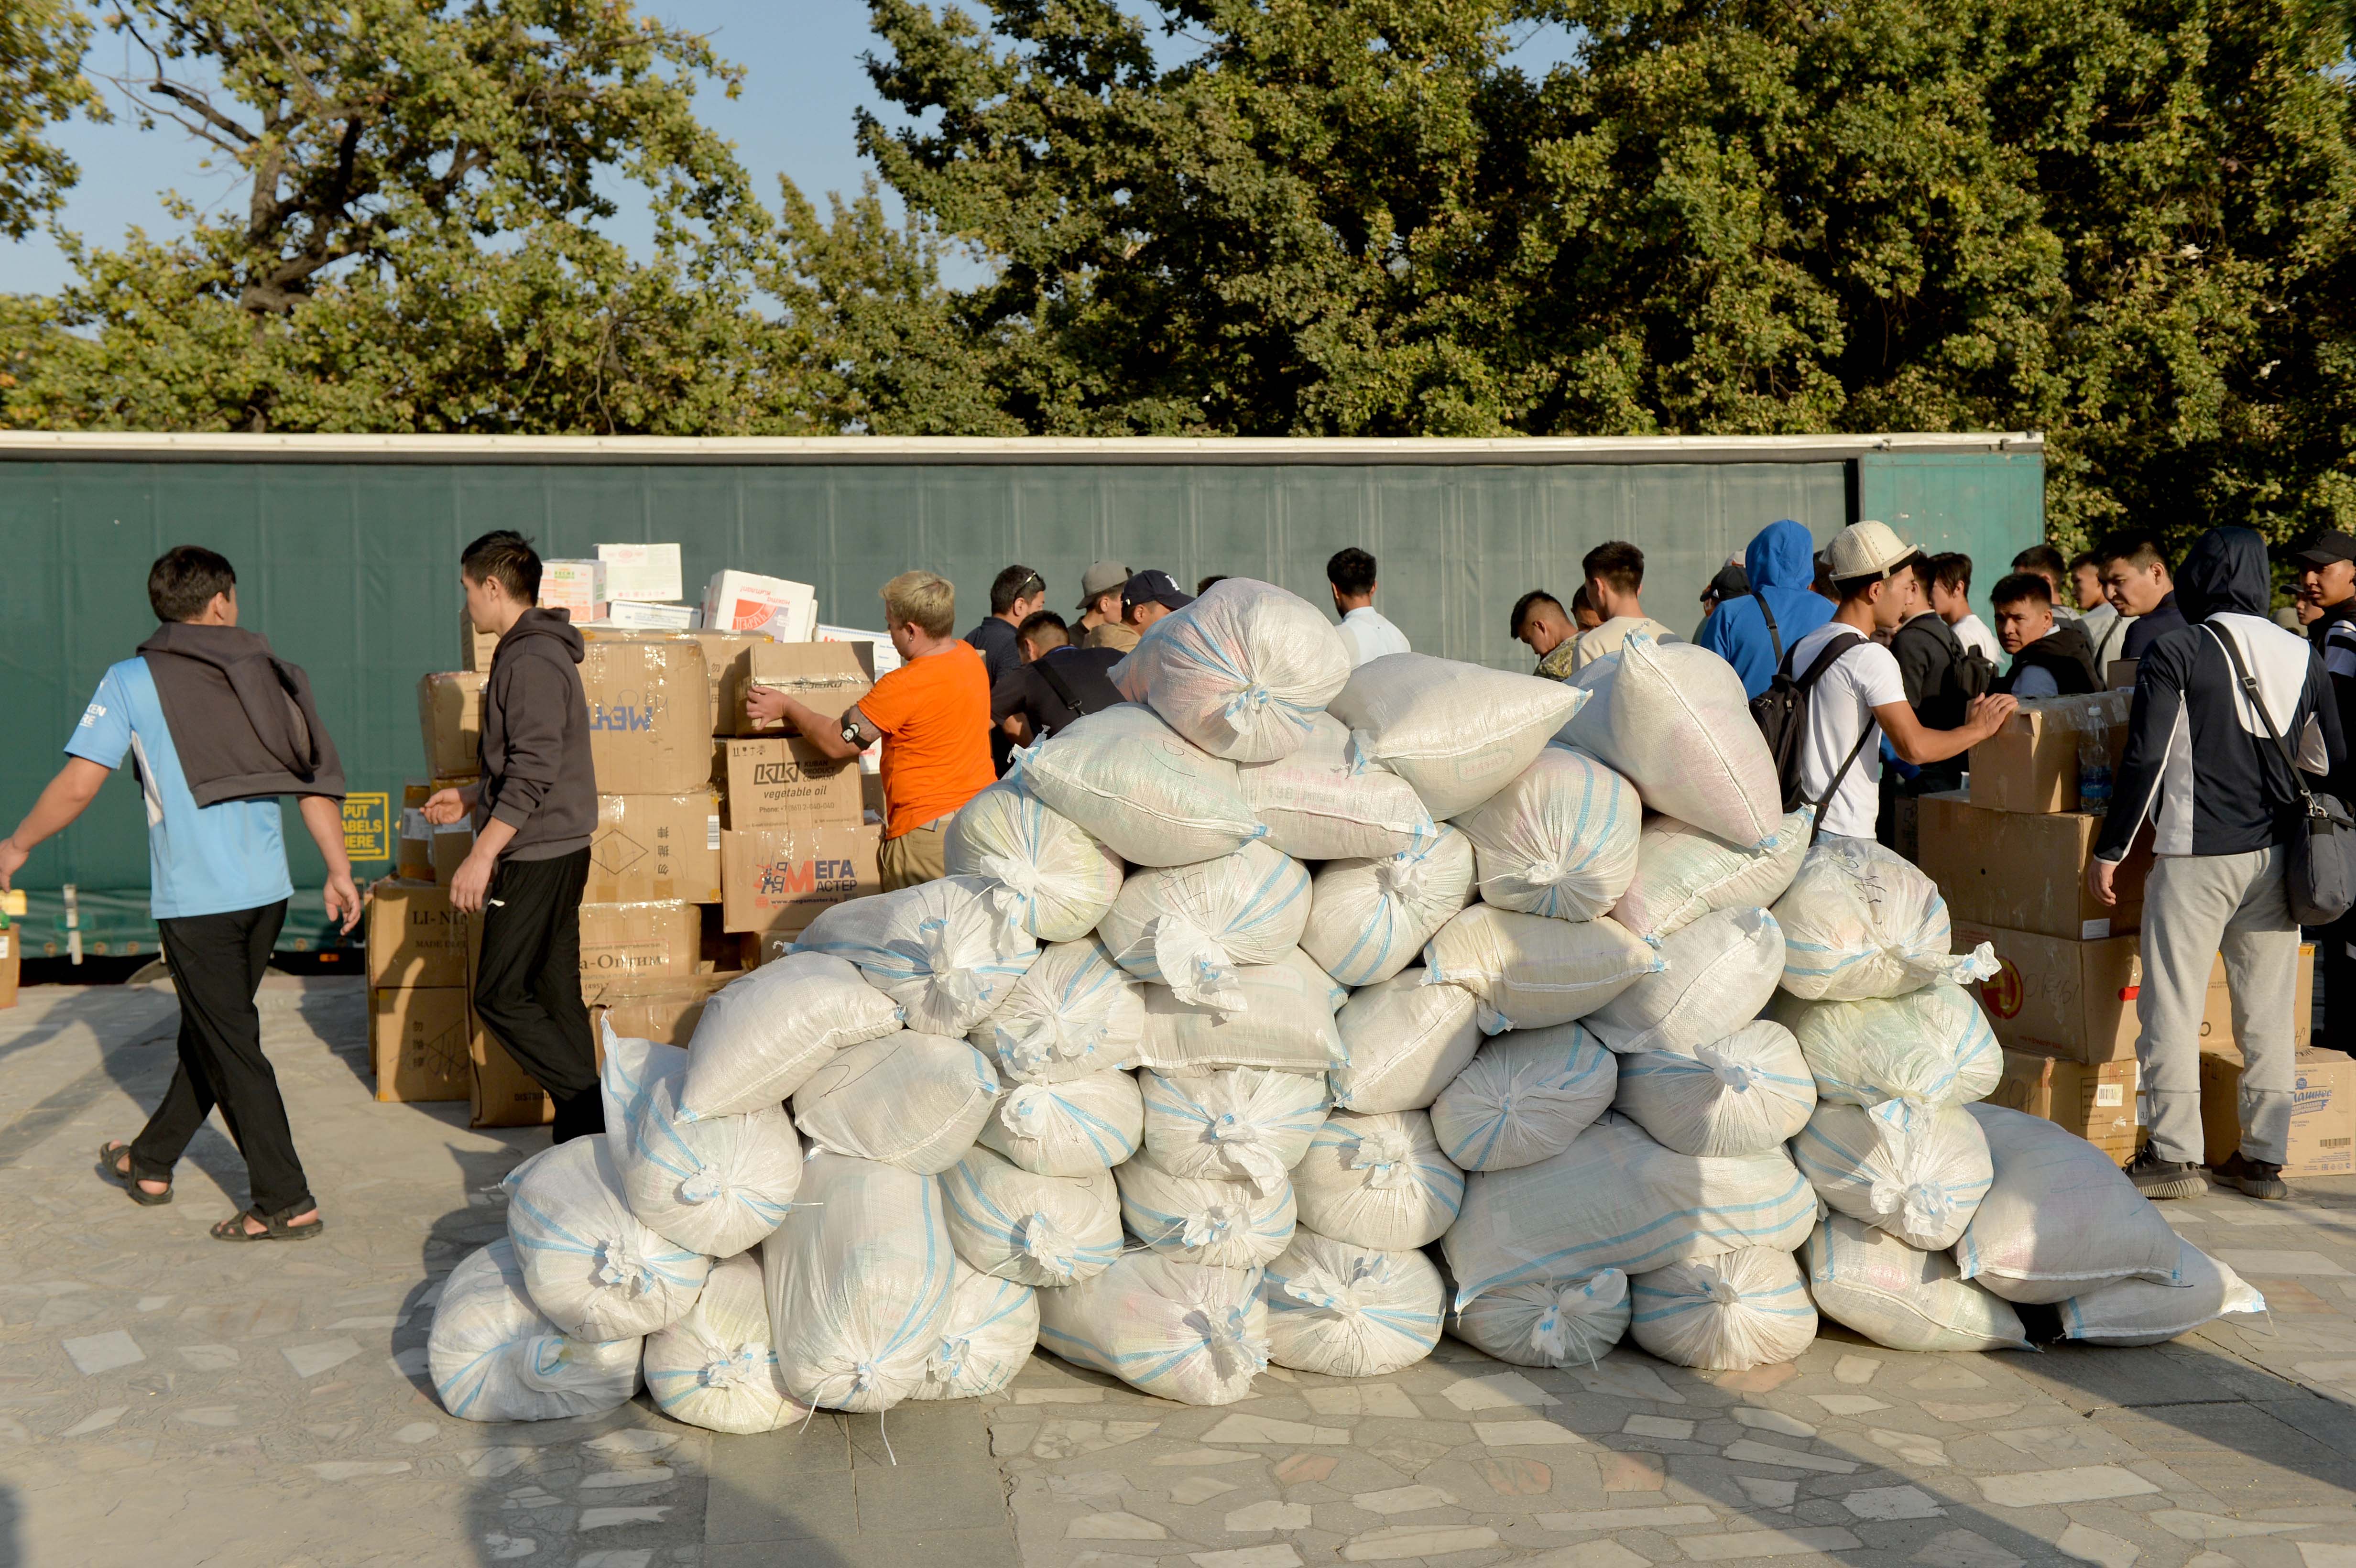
(1782, 714)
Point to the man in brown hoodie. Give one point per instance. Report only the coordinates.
(535, 809)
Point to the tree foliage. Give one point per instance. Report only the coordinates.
(41, 84)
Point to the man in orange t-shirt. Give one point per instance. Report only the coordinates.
(933, 717)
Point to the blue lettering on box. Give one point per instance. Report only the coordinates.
(620, 718)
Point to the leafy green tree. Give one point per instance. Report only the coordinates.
(41, 84)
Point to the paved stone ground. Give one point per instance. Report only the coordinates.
(165, 1398)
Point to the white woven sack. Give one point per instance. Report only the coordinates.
(714, 1185)
(1369, 919)
(1377, 1181)
(716, 1368)
(1325, 802)
(1074, 1127)
(1860, 920)
(1175, 1331)
(1241, 671)
(591, 1265)
(938, 949)
(1932, 1046)
(987, 1337)
(1286, 1021)
(1524, 1097)
(1617, 1200)
(1012, 1223)
(1342, 1311)
(1721, 969)
(1673, 718)
(1547, 1322)
(1046, 874)
(1134, 784)
(1192, 927)
(2060, 1220)
(1897, 1295)
(1726, 1313)
(1455, 731)
(1407, 1041)
(758, 1037)
(1560, 839)
(1074, 1012)
(1741, 1096)
(1683, 873)
(859, 1279)
(1242, 1124)
(911, 1100)
(2137, 1312)
(493, 1356)
(1231, 1224)
(1917, 1171)
(1531, 971)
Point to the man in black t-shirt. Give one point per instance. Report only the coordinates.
(1054, 684)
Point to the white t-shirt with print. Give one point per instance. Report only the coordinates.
(1840, 706)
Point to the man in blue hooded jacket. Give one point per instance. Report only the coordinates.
(1781, 565)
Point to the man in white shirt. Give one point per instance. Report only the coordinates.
(1860, 699)
(1951, 596)
(1615, 581)
(1364, 630)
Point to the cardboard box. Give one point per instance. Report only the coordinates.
(2055, 996)
(663, 1010)
(649, 701)
(746, 601)
(727, 661)
(780, 782)
(641, 570)
(654, 847)
(450, 715)
(2024, 872)
(2031, 764)
(419, 1039)
(827, 676)
(638, 939)
(475, 646)
(2322, 1112)
(451, 844)
(11, 952)
(774, 880)
(2097, 1102)
(576, 587)
(646, 615)
(501, 1094)
(412, 859)
(2217, 1016)
(414, 938)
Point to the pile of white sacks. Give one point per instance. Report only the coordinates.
(1287, 1013)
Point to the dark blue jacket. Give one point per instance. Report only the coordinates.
(1782, 562)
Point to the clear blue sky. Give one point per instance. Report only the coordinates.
(803, 80)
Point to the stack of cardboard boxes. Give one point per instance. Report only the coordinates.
(711, 844)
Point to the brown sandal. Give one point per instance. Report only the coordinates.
(272, 1228)
(108, 1153)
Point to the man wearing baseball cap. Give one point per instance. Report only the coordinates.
(1859, 698)
(1099, 625)
(1147, 597)
(2326, 580)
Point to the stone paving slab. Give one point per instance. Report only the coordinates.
(166, 1400)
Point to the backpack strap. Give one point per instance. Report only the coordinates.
(1062, 687)
(2250, 689)
(1774, 634)
(1829, 656)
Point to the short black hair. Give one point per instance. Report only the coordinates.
(183, 580)
(1847, 587)
(1924, 567)
(1041, 620)
(2138, 548)
(2040, 558)
(1352, 570)
(1204, 585)
(505, 557)
(1822, 584)
(1582, 600)
(1523, 606)
(2084, 558)
(1013, 585)
(2023, 585)
(1952, 571)
(1619, 563)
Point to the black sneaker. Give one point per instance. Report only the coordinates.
(2254, 1176)
(2157, 1178)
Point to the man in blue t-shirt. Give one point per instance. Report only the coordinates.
(217, 728)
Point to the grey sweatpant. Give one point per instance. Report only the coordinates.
(2196, 907)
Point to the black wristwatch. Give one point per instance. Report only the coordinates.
(850, 732)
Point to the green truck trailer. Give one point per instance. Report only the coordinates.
(347, 552)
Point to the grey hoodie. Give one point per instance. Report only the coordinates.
(538, 775)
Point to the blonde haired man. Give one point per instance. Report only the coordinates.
(932, 715)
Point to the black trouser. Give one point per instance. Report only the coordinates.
(527, 983)
(2335, 970)
(218, 961)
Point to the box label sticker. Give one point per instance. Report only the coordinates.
(2110, 1093)
(368, 826)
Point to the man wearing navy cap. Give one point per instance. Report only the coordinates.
(1147, 597)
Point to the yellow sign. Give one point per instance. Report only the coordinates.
(368, 827)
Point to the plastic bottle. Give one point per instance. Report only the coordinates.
(2094, 761)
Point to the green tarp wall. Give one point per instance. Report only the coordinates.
(349, 567)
